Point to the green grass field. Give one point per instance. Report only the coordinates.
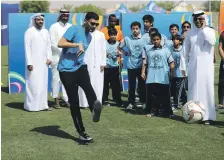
(118, 136)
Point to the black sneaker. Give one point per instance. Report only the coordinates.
(85, 137)
(120, 104)
(207, 122)
(97, 108)
(106, 103)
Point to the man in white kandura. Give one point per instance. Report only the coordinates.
(57, 30)
(198, 55)
(38, 58)
(95, 58)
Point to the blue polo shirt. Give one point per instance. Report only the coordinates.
(69, 61)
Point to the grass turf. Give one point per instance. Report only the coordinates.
(118, 136)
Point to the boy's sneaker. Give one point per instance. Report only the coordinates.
(120, 104)
(207, 122)
(106, 103)
(85, 137)
(97, 108)
(174, 109)
(130, 106)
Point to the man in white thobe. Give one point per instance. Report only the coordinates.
(38, 57)
(198, 55)
(95, 58)
(57, 30)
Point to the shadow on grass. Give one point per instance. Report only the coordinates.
(219, 124)
(57, 132)
(16, 105)
(136, 111)
(178, 118)
(5, 89)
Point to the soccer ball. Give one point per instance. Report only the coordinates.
(193, 111)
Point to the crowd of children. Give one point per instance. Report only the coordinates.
(152, 59)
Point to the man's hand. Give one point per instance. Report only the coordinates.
(143, 76)
(184, 34)
(101, 68)
(121, 63)
(127, 54)
(48, 62)
(81, 50)
(183, 73)
(204, 24)
(30, 67)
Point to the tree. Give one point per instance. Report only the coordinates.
(166, 5)
(34, 6)
(136, 8)
(214, 6)
(88, 8)
(67, 7)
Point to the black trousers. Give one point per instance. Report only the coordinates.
(157, 95)
(221, 83)
(179, 91)
(134, 74)
(71, 81)
(111, 76)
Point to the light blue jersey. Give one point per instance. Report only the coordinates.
(112, 52)
(69, 61)
(135, 47)
(176, 56)
(158, 60)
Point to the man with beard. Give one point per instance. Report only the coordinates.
(198, 55)
(56, 32)
(73, 70)
(112, 21)
(38, 57)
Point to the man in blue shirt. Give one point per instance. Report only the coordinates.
(73, 70)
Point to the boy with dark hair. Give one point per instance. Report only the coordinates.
(174, 29)
(160, 61)
(179, 81)
(135, 45)
(111, 71)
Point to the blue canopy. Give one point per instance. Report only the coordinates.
(153, 8)
(118, 12)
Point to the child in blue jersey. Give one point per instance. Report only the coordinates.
(179, 82)
(148, 21)
(135, 45)
(111, 71)
(73, 71)
(160, 61)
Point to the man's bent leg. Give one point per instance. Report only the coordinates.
(84, 82)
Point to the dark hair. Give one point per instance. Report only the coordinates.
(91, 15)
(157, 34)
(111, 15)
(174, 25)
(148, 17)
(152, 30)
(178, 37)
(136, 24)
(112, 31)
(186, 22)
